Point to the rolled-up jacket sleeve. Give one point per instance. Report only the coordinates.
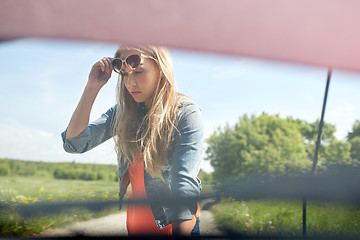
(186, 162)
(94, 134)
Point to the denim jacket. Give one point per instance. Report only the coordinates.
(180, 172)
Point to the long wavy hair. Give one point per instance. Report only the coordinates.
(149, 135)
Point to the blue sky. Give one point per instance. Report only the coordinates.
(42, 81)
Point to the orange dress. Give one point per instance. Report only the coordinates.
(140, 219)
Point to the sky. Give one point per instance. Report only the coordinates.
(43, 79)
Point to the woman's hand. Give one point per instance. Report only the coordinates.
(100, 73)
(182, 227)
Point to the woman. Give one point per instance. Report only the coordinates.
(158, 137)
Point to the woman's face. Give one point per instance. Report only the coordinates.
(141, 82)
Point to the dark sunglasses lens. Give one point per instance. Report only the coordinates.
(133, 61)
(117, 64)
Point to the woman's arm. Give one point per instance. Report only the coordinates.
(182, 227)
(81, 115)
(185, 167)
(98, 77)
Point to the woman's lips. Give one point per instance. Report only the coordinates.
(135, 93)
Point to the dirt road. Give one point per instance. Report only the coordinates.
(116, 225)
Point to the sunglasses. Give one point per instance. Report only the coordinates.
(132, 61)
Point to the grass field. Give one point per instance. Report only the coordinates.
(17, 190)
(24, 183)
(47, 189)
(284, 218)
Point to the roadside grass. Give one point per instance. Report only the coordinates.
(26, 182)
(49, 189)
(284, 218)
(12, 224)
(24, 190)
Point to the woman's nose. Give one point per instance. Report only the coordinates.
(130, 80)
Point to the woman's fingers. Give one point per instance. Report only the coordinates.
(102, 65)
(109, 65)
(101, 71)
(106, 65)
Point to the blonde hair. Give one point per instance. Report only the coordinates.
(150, 135)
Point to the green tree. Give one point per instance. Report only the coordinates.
(309, 131)
(333, 153)
(354, 140)
(334, 156)
(264, 145)
(4, 169)
(355, 131)
(355, 151)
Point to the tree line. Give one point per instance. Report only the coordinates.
(273, 146)
(71, 171)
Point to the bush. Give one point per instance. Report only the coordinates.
(62, 173)
(58, 173)
(101, 176)
(70, 171)
(4, 170)
(85, 175)
(28, 170)
(17, 167)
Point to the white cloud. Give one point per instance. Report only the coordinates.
(23, 142)
(343, 113)
(45, 134)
